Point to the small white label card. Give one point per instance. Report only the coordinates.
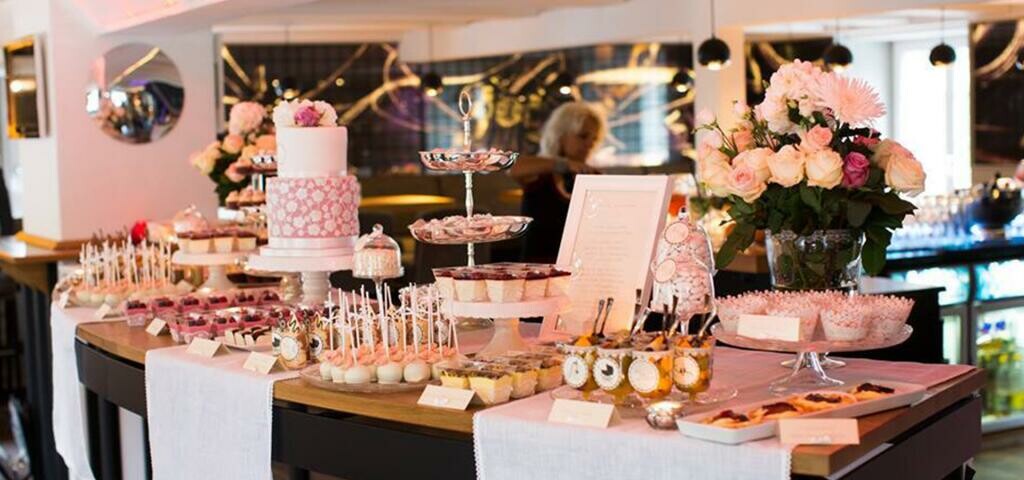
(205, 348)
(819, 431)
(768, 327)
(65, 296)
(102, 312)
(587, 414)
(260, 363)
(157, 327)
(445, 397)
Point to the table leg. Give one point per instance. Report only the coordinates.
(110, 440)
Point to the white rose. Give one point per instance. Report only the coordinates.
(328, 116)
(824, 168)
(713, 172)
(704, 118)
(756, 159)
(787, 166)
(905, 174)
(284, 113)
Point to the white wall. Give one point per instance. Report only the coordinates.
(78, 180)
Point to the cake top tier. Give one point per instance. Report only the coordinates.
(305, 113)
(309, 141)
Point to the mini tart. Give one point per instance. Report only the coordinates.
(824, 400)
(774, 411)
(871, 391)
(455, 378)
(729, 419)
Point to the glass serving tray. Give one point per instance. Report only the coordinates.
(479, 161)
(459, 230)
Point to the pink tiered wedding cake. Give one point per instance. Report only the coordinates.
(312, 205)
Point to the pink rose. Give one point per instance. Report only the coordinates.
(266, 143)
(233, 174)
(869, 142)
(787, 166)
(743, 139)
(245, 117)
(824, 169)
(855, 170)
(743, 182)
(815, 139)
(904, 173)
(709, 141)
(232, 143)
(757, 159)
(713, 173)
(886, 149)
(307, 116)
(704, 118)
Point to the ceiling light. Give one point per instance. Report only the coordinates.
(942, 55)
(431, 84)
(713, 53)
(682, 81)
(837, 57)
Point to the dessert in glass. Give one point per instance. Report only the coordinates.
(650, 374)
(692, 364)
(578, 363)
(613, 359)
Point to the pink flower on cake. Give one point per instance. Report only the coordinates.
(815, 139)
(787, 166)
(856, 168)
(744, 183)
(307, 116)
(851, 100)
(232, 143)
(905, 174)
(245, 118)
(824, 169)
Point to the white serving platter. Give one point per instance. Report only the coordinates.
(692, 426)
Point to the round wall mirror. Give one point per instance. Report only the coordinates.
(135, 93)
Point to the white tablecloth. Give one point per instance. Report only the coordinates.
(208, 418)
(515, 441)
(69, 424)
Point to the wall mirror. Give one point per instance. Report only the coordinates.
(24, 82)
(135, 93)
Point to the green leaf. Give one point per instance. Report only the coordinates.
(873, 257)
(857, 212)
(894, 205)
(740, 238)
(810, 197)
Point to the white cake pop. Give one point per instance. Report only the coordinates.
(390, 372)
(358, 374)
(417, 371)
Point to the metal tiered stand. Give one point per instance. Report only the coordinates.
(471, 229)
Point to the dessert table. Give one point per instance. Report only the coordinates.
(358, 435)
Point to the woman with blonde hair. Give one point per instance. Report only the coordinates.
(569, 139)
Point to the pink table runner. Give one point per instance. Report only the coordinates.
(515, 441)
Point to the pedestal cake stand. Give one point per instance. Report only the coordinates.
(216, 267)
(808, 373)
(506, 319)
(314, 269)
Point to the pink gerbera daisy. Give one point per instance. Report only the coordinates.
(851, 100)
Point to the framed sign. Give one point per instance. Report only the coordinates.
(608, 243)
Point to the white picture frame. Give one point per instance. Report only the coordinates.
(608, 243)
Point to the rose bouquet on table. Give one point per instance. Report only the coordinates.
(805, 164)
(228, 161)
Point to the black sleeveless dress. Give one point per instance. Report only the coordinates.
(548, 207)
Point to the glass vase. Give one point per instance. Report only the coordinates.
(822, 260)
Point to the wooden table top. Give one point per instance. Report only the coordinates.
(132, 343)
(15, 251)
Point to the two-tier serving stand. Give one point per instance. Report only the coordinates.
(482, 229)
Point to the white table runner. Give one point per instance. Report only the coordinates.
(69, 424)
(516, 442)
(208, 418)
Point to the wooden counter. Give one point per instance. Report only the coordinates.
(117, 339)
(29, 264)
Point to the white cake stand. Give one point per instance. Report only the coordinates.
(216, 267)
(506, 319)
(315, 271)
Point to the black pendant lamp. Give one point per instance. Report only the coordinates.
(431, 83)
(713, 53)
(682, 81)
(564, 83)
(837, 57)
(942, 55)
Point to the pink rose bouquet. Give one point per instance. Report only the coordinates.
(228, 161)
(807, 160)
